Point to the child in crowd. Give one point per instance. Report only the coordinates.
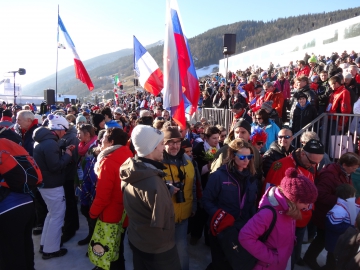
(314, 82)
(338, 219)
(347, 248)
(295, 193)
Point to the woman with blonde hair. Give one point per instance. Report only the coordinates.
(230, 195)
(296, 192)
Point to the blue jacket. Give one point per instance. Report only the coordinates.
(234, 193)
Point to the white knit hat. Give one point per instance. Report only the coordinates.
(146, 139)
(57, 122)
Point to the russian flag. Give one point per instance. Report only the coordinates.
(181, 86)
(147, 70)
(80, 70)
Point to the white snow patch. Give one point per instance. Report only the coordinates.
(205, 70)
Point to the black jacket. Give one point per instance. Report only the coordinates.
(302, 117)
(311, 97)
(323, 93)
(274, 153)
(49, 157)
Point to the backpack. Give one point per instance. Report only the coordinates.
(18, 170)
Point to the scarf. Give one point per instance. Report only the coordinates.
(84, 147)
(103, 154)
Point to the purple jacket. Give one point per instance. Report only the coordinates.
(285, 90)
(276, 251)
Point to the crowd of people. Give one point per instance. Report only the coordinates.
(131, 169)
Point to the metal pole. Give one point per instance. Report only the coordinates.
(14, 89)
(57, 57)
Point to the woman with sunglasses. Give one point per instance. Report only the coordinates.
(263, 121)
(230, 194)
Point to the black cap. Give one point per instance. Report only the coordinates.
(314, 147)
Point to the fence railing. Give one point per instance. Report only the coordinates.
(214, 116)
(340, 133)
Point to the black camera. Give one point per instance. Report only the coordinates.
(180, 198)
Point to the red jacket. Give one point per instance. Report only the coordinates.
(329, 178)
(277, 99)
(277, 173)
(340, 102)
(357, 77)
(108, 202)
(304, 71)
(250, 88)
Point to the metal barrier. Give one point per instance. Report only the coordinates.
(337, 135)
(214, 116)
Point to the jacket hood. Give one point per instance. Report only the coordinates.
(303, 108)
(42, 133)
(274, 197)
(135, 170)
(304, 89)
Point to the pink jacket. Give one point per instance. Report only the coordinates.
(285, 90)
(276, 251)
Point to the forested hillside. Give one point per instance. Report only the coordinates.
(207, 47)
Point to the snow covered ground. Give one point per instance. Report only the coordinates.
(75, 259)
(205, 70)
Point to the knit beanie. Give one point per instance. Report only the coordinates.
(267, 106)
(97, 118)
(244, 124)
(145, 139)
(314, 77)
(312, 59)
(298, 188)
(357, 60)
(57, 122)
(80, 119)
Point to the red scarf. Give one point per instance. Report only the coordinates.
(84, 147)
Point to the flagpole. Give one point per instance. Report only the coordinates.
(57, 57)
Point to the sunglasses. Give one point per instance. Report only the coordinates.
(258, 118)
(243, 157)
(259, 143)
(284, 137)
(310, 161)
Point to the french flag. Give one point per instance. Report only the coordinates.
(181, 86)
(147, 70)
(80, 70)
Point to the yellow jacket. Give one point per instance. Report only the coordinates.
(182, 210)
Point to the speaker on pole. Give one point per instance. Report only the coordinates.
(229, 44)
(66, 101)
(49, 96)
(73, 101)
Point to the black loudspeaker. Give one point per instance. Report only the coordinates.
(49, 96)
(22, 71)
(66, 101)
(136, 82)
(73, 101)
(229, 43)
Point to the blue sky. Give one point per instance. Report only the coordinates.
(28, 28)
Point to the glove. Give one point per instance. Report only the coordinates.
(220, 221)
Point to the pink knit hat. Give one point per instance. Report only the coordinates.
(298, 188)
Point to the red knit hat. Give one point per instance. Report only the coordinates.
(298, 188)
